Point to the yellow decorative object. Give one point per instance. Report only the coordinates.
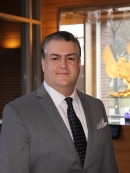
(119, 69)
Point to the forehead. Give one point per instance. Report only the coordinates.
(61, 46)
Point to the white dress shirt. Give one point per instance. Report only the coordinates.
(61, 105)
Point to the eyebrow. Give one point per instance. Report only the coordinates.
(70, 54)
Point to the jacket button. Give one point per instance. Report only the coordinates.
(85, 171)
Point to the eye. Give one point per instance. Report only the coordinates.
(71, 58)
(54, 58)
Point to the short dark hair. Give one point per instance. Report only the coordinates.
(60, 35)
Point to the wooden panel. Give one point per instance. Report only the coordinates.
(49, 24)
(86, 2)
(53, 2)
(123, 166)
(49, 8)
(49, 16)
(110, 2)
(121, 144)
(122, 150)
(123, 154)
(48, 31)
(65, 2)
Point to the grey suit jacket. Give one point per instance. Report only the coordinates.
(34, 138)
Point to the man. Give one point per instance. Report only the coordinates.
(37, 136)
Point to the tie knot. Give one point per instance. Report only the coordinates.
(69, 100)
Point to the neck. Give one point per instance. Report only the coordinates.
(65, 91)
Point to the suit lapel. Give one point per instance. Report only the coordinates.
(55, 118)
(90, 124)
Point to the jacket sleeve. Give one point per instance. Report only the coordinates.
(14, 143)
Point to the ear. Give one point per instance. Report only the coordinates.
(43, 64)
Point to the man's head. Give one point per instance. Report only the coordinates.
(61, 61)
(60, 35)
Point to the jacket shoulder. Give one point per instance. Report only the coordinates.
(88, 97)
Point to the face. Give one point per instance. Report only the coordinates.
(61, 66)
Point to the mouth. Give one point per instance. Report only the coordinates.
(64, 74)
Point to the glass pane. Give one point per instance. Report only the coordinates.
(10, 62)
(111, 33)
(74, 23)
(107, 49)
(14, 7)
(115, 64)
(36, 9)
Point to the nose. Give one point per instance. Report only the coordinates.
(63, 63)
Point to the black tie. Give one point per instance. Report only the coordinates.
(77, 131)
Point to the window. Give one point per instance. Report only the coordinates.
(20, 28)
(105, 35)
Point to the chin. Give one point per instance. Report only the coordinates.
(63, 84)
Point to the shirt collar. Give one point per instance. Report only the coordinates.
(57, 97)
